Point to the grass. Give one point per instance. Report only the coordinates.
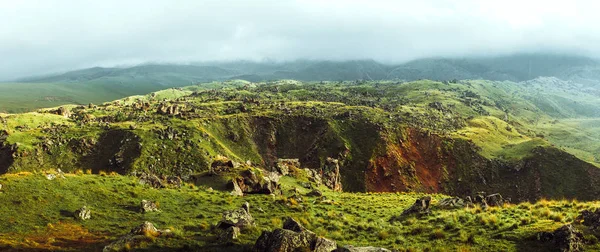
(44, 209)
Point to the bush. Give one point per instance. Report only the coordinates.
(438, 234)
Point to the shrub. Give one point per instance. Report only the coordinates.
(383, 235)
(438, 234)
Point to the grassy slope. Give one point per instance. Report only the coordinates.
(44, 219)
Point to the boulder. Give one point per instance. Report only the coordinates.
(251, 183)
(421, 206)
(83, 213)
(229, 234)
(148, 206)
(590, 219)
(494, 200)
(454, 202)
(237, 191)
(564, 239)
(145, 232)
(315, 193)
(292, 237)
(240, 218)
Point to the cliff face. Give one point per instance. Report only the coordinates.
(372, 157)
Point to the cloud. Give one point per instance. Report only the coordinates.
(57, 35)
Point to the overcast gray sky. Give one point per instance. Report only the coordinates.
(45, 36)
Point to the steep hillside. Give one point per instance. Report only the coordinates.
(455, 138)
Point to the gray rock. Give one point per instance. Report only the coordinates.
(421, 206)
(315, 192)
(494, 200)
(148, 206)
(240, 218)
(83, 213)
(564, 239)
(229, 234)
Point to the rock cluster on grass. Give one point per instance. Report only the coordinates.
(148, 206)
(292, 237)
(83, 213)
(565, 238)
(145, 232)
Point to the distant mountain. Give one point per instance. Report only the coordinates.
(105, 84)
(519, 67)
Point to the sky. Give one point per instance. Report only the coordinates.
(48, 36)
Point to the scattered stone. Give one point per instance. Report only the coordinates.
(240, 218)
(145, 232)
(229, 234)
(292, 237)
(313, 176)
(421, 206)
(565, 238)
(315, 193)
(0, 186)
(83, 213)
(210, 189)
(63, 112)
(148, 206)
(50, 176)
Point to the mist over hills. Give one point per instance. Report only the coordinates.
(518, 67)
(99, 84)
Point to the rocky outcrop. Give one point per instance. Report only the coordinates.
(564, 239)
(250, 182)
(221, 165)
(145, 232)
(292, 237)
(331, 174)
(283, 166)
